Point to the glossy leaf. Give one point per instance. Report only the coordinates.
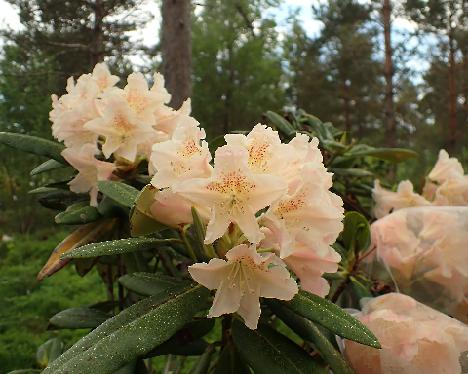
(310, 332)
(122, 193)
(48, 352)
(141, 221)
(230, 362)
(85, 234)
(132, 333)
(147, 283)
(281, 124)
(356, 234)
(78, 318)
(388, 154)
(77, 214)
(33, 144)
(203, 363)
(351, 172)
(269, 352)
(47, 166)
(116, 247)
(332, 317)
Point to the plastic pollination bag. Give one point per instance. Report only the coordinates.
(424, 252)
(415, 339)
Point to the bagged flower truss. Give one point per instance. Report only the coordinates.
(249, 230)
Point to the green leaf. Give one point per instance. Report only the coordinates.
(147, 283)
(122, 193)
(33, 144)
(116, 247)
(332, 317)
(281, 124)
(48, 352)
(78, 318)
(310, 332)
(141, 221)
(132, 333)
(351, 172)
(203, 364)
(388, 154)
(356, 234)
(47, 166)
(200, 233)
(78, 214)
(269, 352)
(230, 362)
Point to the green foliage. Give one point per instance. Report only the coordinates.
(27, 305)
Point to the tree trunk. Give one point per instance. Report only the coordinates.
(176, 41)
(390, 139)
(97, 50)
(452, 131)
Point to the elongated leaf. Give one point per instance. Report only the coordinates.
(78, 318)
(203, 364)
(356, 232)
(268, 352)
(310, 332)
(116, 247)
(388, 154)
(33, 144)
(47, 166)
(351, 172)
(49, 351)
(230, 362)
(200, 233)
(81, 236)
(281, 124)
(147, 283)
(332, 317)
(122, 193)
(78, 213)
(141, 220)
(132, 333)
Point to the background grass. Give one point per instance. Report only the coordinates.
(26, 305)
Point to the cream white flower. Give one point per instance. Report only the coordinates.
(445, 168)
(121, 128)
(185, 156)
(90, 170)
(103, 77)
(453, 191)
(308, 217)
(387, 201)
(242, 279)
(234, 194)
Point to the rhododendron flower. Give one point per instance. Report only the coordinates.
(103, 77)
(234, 194)
(415, 339)
(242, 279)
(309, 217)
(174, 210)
(309, 266)
(121, 127)
(453, 191)
(90, 170)
(387, 201)
(184, 156)
(445, 168)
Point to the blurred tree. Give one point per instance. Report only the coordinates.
(336, 75)
(446, 19)
(176, 42)
(237, 64)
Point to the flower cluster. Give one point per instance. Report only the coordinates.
(105, 128)
(415, 339)
(267, 206)
(445, 184)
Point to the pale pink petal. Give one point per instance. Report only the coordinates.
(210, 275)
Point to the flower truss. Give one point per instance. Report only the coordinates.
(269, 214)
(446, 184)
